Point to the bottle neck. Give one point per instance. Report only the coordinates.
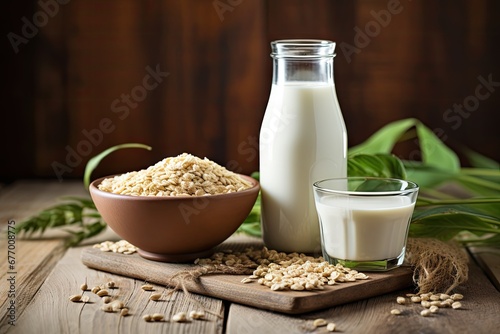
(302, 60)
(293, 70)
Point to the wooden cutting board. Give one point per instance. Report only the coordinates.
(230, 287)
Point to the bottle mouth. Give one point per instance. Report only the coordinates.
(302, 48)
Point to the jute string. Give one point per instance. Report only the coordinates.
(437, 266)
(181, 279)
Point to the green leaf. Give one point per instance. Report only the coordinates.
(426, 176)
(251, 225)
(377, 165)
(459, 201)
(251, 228)
(480, 161)
(384, 139)
(85, 202)
(94, 161)
(446, 222)
(77, 211)
(371, 185)
(493, 241)
(256, 175)
(434, 152)
(88, 231)
(479, 186)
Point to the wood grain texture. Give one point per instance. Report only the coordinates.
(426, 58)
(52, 312)
(26, 197)
(373, 315)
(34, 261)
(229, 287)
(17, 134)
(206, 102)
(43, 287)
(35, 258)
(488, 258)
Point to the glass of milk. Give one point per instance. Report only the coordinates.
(364, 221)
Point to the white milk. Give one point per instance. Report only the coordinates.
(302, 140)
(365, 228)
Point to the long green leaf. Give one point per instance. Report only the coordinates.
(480, 185)
(459, 201)
(434, 152)
(384, 139)
(492, 175)
(87, 231)
(447, 222)
(94, 161)
(426, 176)
(480, 161)
(55, 216)
(376, 165)
(491, 240)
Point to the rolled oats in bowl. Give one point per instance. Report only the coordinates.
(183, 175)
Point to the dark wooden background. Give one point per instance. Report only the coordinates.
(65, 79)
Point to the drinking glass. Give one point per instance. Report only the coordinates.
(364, 221)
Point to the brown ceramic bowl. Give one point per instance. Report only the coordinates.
(175, 229)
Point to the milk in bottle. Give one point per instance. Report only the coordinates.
(302, 140)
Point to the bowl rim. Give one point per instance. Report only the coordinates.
(94, 189)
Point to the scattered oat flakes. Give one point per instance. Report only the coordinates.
(401, 300)
(331, 327)
(280, 271)
(102, 293)
(395, 311)
(157, 317)
(121, 246)
(75, 298)
(425, 313)
(179, 317)
(155, 296)
(320, 322)
(197, 315)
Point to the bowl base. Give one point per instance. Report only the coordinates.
(176, 258)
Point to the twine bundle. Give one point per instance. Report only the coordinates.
(438, 266)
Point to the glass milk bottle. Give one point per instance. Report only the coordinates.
(303, 139)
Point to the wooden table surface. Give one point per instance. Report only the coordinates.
(34, 291)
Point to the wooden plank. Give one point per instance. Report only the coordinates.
(244, 91)
(52, 312)
(78, 65)
(101, 79)
(229, 287)
(479, 314)
(208, 101)
(488, 258)
(50, 102)
(18, 135)
(34, 261)
(26, 197)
